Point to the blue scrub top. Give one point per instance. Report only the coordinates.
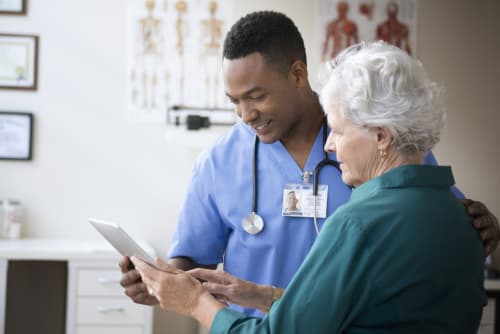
(219, 196)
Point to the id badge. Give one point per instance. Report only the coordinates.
(299, 201)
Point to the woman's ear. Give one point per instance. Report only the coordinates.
(384, 138)
(298, 73)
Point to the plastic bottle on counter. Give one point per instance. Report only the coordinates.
(13, 219)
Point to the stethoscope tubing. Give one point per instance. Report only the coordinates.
(255, 174)
(325, 162)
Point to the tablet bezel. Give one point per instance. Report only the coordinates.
(121, 240)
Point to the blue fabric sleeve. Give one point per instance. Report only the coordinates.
(430, 159)
(200, 233)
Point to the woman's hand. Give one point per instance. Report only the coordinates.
(485, 222)
(229, 288)
(174, 289)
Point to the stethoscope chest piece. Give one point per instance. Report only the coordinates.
(252, 223)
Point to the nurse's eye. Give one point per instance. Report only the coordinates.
(233, 101)
(259, 97)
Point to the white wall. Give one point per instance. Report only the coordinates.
(88, 161)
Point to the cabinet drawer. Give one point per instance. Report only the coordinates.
(108, 330)
(104, 282)
(109, 311)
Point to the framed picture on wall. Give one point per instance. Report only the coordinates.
(16, 132)
(13, 7)
(19, 65)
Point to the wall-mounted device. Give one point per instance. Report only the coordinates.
(196, 118)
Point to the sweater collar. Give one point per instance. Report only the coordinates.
(407, 176)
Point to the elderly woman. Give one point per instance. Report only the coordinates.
(401, 256)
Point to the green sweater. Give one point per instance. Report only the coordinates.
(400, 257)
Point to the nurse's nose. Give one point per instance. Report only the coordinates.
(246, 112)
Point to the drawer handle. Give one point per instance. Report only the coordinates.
(105, 310)
(106, 281)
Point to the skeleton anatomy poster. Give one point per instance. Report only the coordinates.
(341, 23)
(174, 56)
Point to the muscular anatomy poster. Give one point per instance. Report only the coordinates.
(341, 23)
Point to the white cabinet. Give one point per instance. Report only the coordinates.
(97, 304)
(95, 301)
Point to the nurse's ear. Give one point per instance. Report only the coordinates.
(298, 73)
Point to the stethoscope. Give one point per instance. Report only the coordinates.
(253, 223)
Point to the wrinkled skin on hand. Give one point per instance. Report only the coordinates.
(229, 288)
(174, 289)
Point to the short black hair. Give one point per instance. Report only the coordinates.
(272, 34)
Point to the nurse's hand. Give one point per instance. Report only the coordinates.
(229, 288)
(134, 286)
(178, 291)
(485, 222)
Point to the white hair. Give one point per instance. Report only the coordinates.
(379, 85)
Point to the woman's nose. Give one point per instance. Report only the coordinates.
(330, 144)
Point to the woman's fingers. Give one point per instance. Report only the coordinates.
(164, 266)
(214, 276)
(216, 289)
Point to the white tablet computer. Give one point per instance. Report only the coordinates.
(120, 240)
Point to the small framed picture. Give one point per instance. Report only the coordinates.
(16, 132)
(19, 65)
(13, 7)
